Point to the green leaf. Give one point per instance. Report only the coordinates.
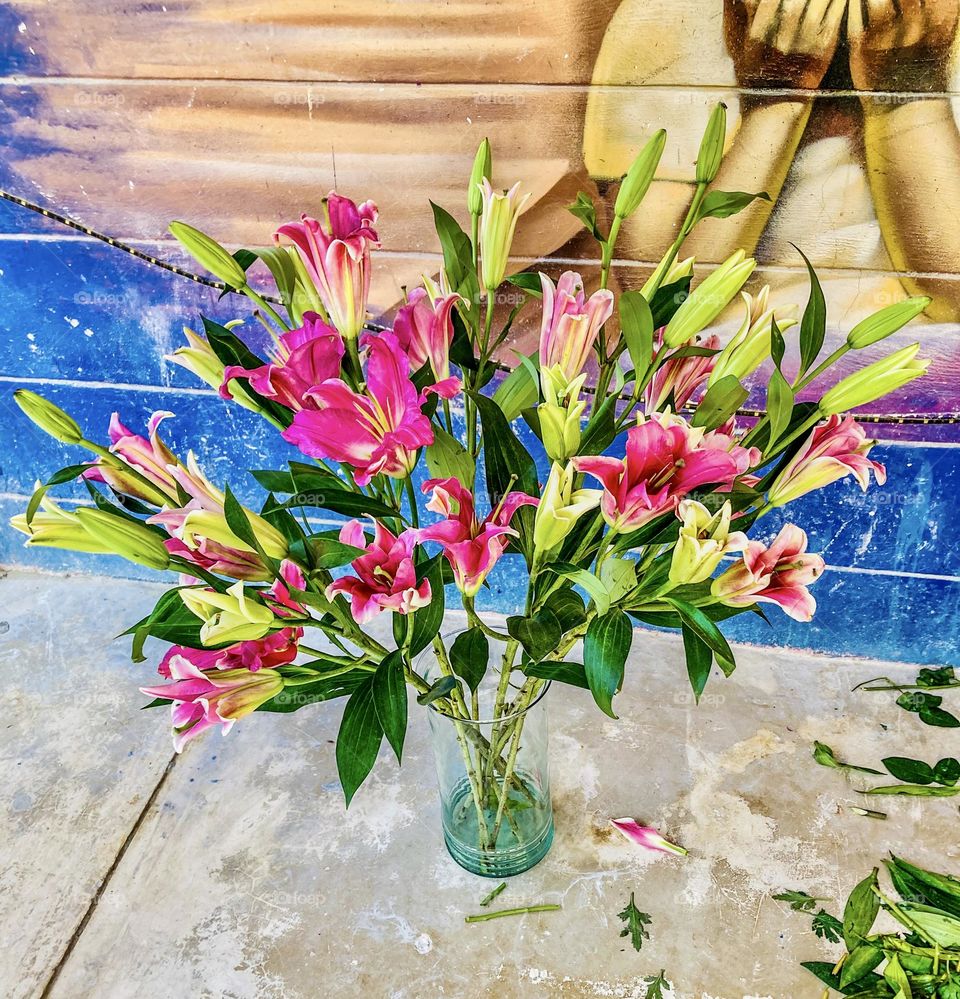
(440, 688)
(231, 350)
(67, 474)
(582, 577)
(239, 523)
(799, 901)
(861, 961)
(293, 698)
(655, 986)
(914, 882)
(636, 328)
(284, 276)
(567, 606)
(428, 620)
(911, 771)
(583, 209)
(600, 430)
(827, 927)
(455, 243)
(605, 649)
(939, 718)
(947, 771)
(529, 282)
(779, 392)
(813, 325)
(390, 700)
(448, 458)
(860, 912)
(573, 674)
(637, 923)
(667, 299)
(359, 738)
(508, 467)
(707, 632)
(539, 634)
(943, 676)
(518, 391)
(699, 659)
(826, 757)
(824, 971)
(469, 656)
(330, 553)
(720, 402)
(723, 204)
(943, 929)
(896, 978)
(337, 500)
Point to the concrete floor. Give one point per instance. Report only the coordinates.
(233, 871)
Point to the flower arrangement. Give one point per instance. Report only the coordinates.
(640, 503)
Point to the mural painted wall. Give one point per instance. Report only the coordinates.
(237, 117)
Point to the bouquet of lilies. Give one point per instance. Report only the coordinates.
(639, 503)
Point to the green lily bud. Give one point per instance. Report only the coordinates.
(129, 538)
(482, 168)
(561, 507)
(708, 299)
(881, 324)
(640, 175)
(48, 417)
(199, 359)
(560, 413)
(711, 146)
(675, 271)
(875, 380)
(209, 254)
(228, 617)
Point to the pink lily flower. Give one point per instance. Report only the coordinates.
(471, 547)
(682, 377)
(337, 258)
(570, 323)
(305, 357)
(202, 700)
(386, 578)
(147, 455)
(219, 555)
(646, 836)
(727, 439)
(666, 458)
(276, 649)
(779, 574)
(424, 329)
(835, 449)
(376, 432)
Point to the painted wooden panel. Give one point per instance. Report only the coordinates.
(800, 43)
(850, 184)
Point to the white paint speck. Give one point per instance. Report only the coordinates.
(423, 944)
(22, 28)
(88, 332)
(73, 322)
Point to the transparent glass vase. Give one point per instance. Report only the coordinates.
(491, 752)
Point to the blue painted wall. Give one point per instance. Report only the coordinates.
(88, 326)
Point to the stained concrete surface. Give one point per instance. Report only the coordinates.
(243, 877)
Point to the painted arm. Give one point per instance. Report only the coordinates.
(912, 145)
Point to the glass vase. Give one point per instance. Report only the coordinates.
(490, 747)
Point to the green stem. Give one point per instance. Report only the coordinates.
(262, 303)
(412, 500)
(487, 899)
(484, 916)
(819, 370)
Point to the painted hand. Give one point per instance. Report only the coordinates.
(782, 43)
(901, 45)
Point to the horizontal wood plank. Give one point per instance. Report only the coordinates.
(609, 42)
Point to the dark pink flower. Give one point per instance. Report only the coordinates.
(835, 449)
(779, 574)
(305, 357)
(147, 455)
(202, 700)
(386, 578)
(337, 258)
(424, 329)
(471, 547)
(666, 458)
(680, 377)
(376, 432)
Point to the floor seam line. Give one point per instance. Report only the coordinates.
(105, 881)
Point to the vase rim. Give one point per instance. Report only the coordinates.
(477, 722)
